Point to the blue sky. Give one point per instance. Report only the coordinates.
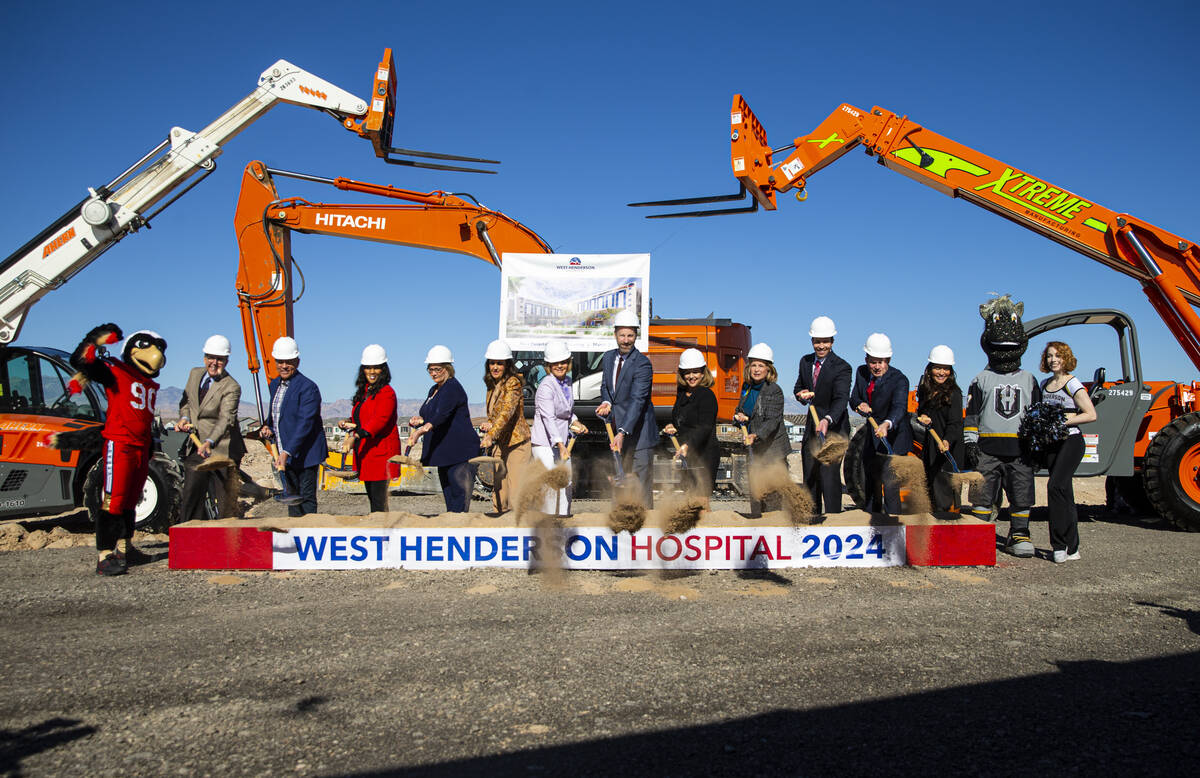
(593, 106)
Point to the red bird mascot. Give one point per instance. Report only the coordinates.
(128, 431)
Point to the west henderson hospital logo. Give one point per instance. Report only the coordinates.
(575, 263)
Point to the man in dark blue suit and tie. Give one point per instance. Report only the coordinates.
(294, 421)
(824, 383)
(627, 379)
(881, 393)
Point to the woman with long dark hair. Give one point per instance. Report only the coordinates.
(371, 428)
(505, 433)
(940, 410)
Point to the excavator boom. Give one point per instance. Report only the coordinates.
(1167, 265)
(437, 220)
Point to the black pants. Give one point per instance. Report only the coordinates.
(883, 493)
(301, 481)
(195, 490)
(1062, 460)
(377, 495)
(111, 527)
(823, 481)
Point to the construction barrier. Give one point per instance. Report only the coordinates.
(458, 541)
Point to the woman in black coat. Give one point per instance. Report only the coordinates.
(694, 422)
(940, 409)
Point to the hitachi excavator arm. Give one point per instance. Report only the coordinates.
(435, 220)
(1167, 266)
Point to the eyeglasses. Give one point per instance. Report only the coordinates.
(436, 369)
(697, 371)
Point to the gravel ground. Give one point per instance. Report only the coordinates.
(1090, 667)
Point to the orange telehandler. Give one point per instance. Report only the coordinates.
(445, 222)
(1147, 437)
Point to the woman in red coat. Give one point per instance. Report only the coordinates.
(372, 426)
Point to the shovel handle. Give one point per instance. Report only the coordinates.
(812, 411)
(937, 440)
(745, 434)
(608, 428)
(675, 443)
(886, 443)
(570, 445)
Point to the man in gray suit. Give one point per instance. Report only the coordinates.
(209, 407)
(627, 379)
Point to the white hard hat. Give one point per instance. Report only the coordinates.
(691, 359)
(626, 318)
(439, 355)
(499, 351)
(374, 355)
(761, 351)
(878, 346)
(822, 327)
(557, 351)
(285, 348)
(941, 355)
(217, 346)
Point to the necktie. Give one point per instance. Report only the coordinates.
(816, 372)
(870, 389)
(204, 387)
(617, 372)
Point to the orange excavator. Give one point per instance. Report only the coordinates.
(441, 221)
(1147, 437)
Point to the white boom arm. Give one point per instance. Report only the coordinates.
(108, 214)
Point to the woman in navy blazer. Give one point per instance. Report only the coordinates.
(881, 393)
(451, 440)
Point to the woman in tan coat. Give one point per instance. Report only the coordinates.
(505, 433)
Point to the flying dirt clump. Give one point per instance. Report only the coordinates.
(832, 450)
(628, 512)
(537, 481)
(797, 501)
(681, 514)
(907, 474)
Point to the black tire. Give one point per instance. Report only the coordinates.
(1170, 471)
(159, 507)
(853, 473)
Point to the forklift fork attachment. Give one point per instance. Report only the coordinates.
(434, 155)
(740, 195)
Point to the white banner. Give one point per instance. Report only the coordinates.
(573, 297)
(590, 548)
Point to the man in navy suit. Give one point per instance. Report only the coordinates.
(881, 393)
(627, 379)
(823, 383)
(294, 421)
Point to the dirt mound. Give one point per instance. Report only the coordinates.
(775, 479)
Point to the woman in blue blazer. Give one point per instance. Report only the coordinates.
(451, 440)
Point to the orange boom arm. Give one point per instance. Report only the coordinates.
(264, 223)
(1167, 266)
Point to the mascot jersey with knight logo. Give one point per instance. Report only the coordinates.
(995, 402)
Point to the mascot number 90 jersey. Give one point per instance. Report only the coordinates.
(131, 401)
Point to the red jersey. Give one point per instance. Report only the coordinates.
(130, 405)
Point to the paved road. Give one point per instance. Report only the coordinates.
(1085, 668)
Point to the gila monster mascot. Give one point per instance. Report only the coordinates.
(996, 403)
(127, 436)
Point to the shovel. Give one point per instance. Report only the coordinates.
(832, 447)
(680, 462)
(619, 478)
(405, 459)
(959, 477)
(343, 471)
(908, 472)
(211, 462)
(284, 497)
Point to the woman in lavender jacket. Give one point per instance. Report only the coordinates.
(553, 422)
